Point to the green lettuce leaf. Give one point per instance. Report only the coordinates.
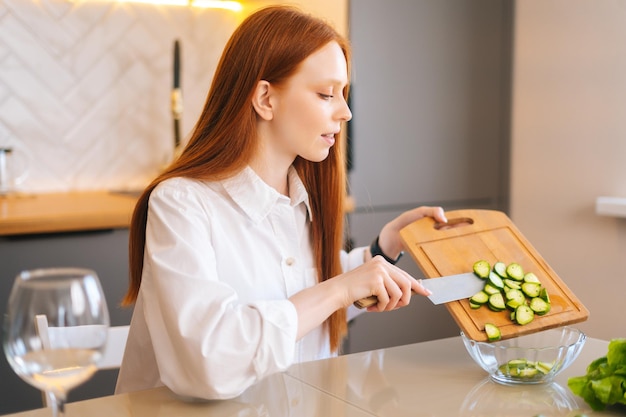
(605, 381)
(617, 352)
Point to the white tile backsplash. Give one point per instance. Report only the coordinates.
(85, 87)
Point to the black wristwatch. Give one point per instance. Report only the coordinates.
(376, 250)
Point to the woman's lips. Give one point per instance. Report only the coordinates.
(329, 138)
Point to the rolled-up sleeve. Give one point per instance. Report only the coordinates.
(353, 259)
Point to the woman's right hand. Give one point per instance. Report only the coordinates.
(376, 277)
(391, 285)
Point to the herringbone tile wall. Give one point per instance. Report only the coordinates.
(85, 87)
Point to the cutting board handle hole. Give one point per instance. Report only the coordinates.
(454, 223)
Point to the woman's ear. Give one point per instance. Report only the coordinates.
(261, 100)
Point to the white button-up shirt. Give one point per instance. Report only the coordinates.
(221, 258)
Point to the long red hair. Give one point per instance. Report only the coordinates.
(268, 45)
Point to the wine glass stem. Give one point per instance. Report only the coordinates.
(58, 404)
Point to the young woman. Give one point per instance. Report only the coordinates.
(237, 268)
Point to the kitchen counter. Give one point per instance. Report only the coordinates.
(64, 212)
(439, 378)
(435, 378)
(22, 214)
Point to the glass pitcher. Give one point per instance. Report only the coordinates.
(13, 170)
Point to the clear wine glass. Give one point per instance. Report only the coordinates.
(56, 329)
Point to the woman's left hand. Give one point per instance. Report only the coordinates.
(389, 239)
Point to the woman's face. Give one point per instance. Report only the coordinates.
(309, 107)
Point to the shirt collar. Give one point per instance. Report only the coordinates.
(256, 198)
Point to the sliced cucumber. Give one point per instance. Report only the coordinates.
(490, 289)
(544, 367)
(493, 332)
(509, 287)
(515, 298)
(539, 306)
(480, 297)
(528, 372)
(530, 277)
(482, 269)
(511, 283)
(531, 289)
(515, 271)
(500, 269)
(523, 369)
(517, 363)
(495, 280)
(496, 302)
(524, 314)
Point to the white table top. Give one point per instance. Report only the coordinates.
(436, 378)
(439, 378)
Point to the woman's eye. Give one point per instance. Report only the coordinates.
(326, 96)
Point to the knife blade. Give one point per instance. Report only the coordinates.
(453, 287)
(444, 289)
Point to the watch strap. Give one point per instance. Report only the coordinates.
(376, 250)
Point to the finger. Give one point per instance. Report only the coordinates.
(399, 287)
(396, 295)
(406, 287)
(382, 301)
(437, 213)
(440, 215)
(418, 288)
(381, 294)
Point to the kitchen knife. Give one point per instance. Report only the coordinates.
(444, 289)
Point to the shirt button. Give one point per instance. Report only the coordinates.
(290, 261)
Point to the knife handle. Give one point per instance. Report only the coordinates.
(366, 302)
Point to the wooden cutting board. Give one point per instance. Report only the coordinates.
(471, 235)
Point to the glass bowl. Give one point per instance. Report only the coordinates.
(535, 358)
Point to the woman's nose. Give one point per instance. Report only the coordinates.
(344, 113)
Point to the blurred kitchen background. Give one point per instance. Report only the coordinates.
(430, 98)
(85, 86)
(512, 105)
